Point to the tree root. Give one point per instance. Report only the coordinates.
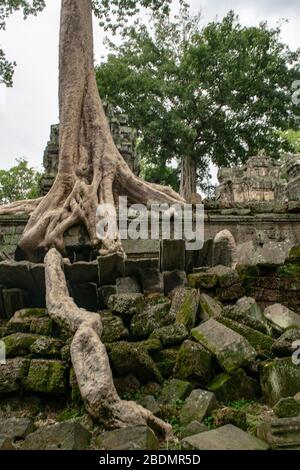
(89, 356)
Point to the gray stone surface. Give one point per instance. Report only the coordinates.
(130, 438)
(13, 300)
(126, 304)
(231, 349)
(127, 285)
(152, 281)
(16, 428)
(69, 435)
(279, 378)
(174, 279)
(281, 433)
(197, 406)
(282, 316)
(209, 307)
(172, 255)
(12, 373)
(227, 437)
(185, 305)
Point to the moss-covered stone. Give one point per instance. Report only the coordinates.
(154, 316)
(248, 270)
(295, 252)
(209, 307)
(287, 407)
(126, 304)
(46, 347)
(279, 378)
(46, 376)
(113, 327)
(285, 344)
(194, 363)
(228, 415)
(12, 373)
(236, 386)
(260, 342)
(170, 335)
(165, 361)
(226, 276)
(18, 344)
(197, 406)
(205, 280)
(21, 321)
(173, 391)
(185, 305)
(230, 348)
(133, 358)
(41, 326)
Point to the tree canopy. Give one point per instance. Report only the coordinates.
(111, 14)
(215, 93)
(19, 182)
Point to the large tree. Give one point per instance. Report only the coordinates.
(91, 171)
(19, 182)
(199, 94)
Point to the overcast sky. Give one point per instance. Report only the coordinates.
(30, 107)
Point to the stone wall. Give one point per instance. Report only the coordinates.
(124, 137)
(262, 179)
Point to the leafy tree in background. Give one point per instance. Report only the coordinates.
(293, 137)
(217, 93)
(19, 182)
(7, 7)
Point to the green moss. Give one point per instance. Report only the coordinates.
(186, 314)
(46, 376)
(71, 412)
(18, 344)
(288, 270)
(295, 252)
(203, 280)
(262, 343)
(248, 270)
(194, 362)
(165, 361)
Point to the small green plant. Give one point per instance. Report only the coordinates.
(209, 421)
(240, 404)
(71, 412)
(288, 270)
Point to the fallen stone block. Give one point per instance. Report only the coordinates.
(231, 349)
(69, 435)
(279, 378)
(282, 316)
(282, 433)
(46, 376)
(227, 437)
(197, 406)
(12, 373)
(130, 438)
(16, 428)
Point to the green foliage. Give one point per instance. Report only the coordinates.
(19, 182)
(71, 412)
(217, 93)
(7, 7)
(161, 174)
(112, 15)
(293, 138)
(288, 270)
(241, 404)
(209, 421)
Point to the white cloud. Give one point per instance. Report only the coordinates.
(31, 106)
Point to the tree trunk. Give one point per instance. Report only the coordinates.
(91, 170)
(89, 356)
(188, 182)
